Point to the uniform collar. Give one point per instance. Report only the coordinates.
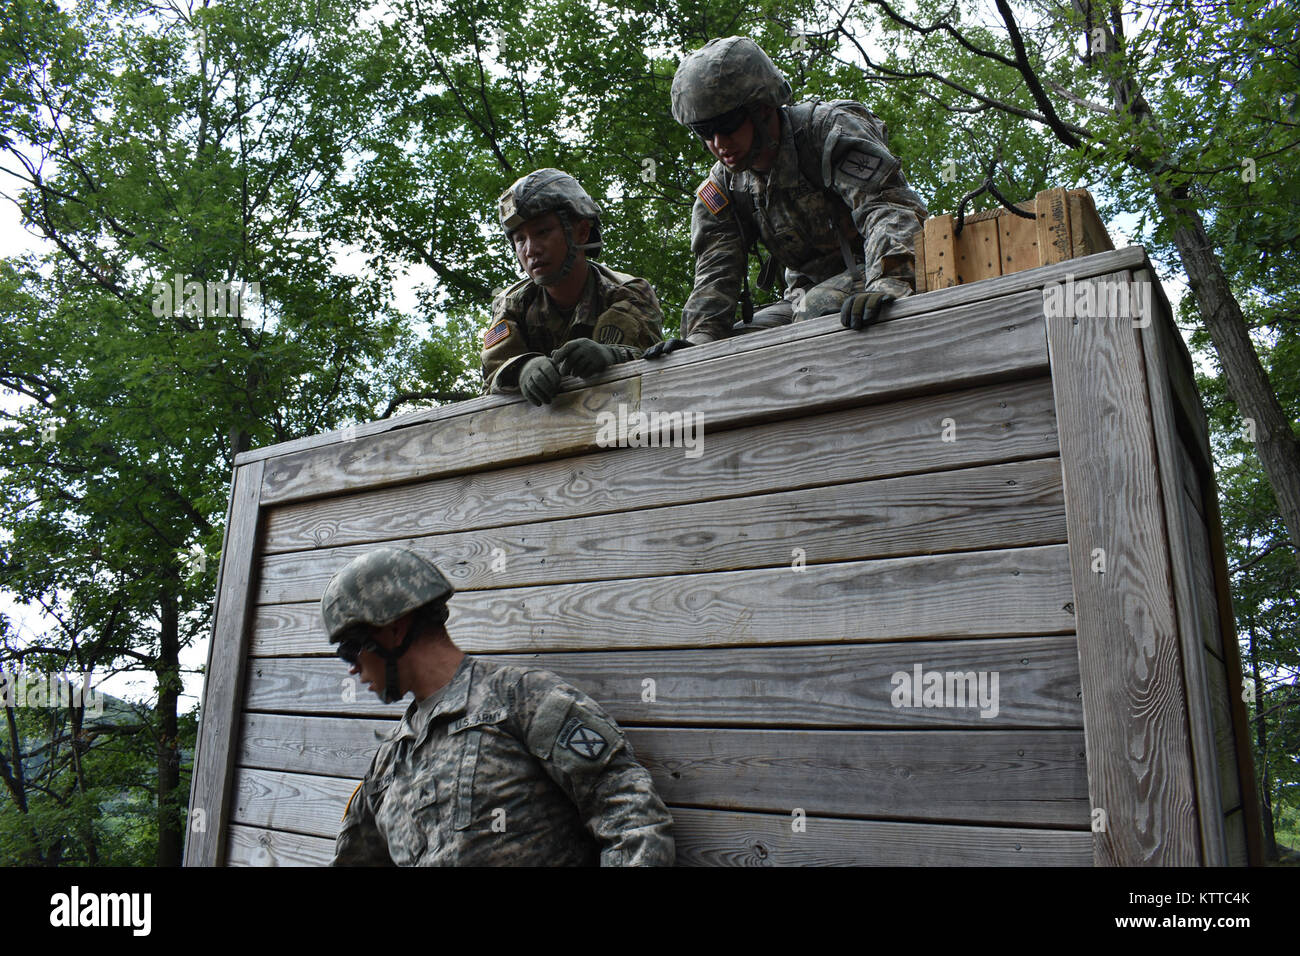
(452, 699)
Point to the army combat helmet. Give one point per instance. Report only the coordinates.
(551, 190)
(728, 79)
(376, 589)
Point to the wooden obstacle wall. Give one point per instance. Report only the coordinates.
(930, 492)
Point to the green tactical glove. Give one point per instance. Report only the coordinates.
(585, 358)
(539, 380)
(861, 309)
(660, 349)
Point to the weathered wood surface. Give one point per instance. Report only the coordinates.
(941, 351)
(1002, 593)
(1003, 777)
(1011, 778)
(990, 290)
(1234, 825)
(729, 838)
(1139, 761)
(214, 760)
(1180, 369)
(1182, 525)
(256, 846)
(847, 686)
(1223, 752)
(992, 424)
(1017, 504)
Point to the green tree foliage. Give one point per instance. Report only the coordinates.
(148, 142)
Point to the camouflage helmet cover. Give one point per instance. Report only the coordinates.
(379, 587)
(725, 75)
(543, 191)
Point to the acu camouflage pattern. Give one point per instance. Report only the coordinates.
(724, 75)
(838, 148)
(378, 588)
(615, 309)
(514, 747)
(548, 190)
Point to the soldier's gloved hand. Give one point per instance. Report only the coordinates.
(585, 358)
(539, 380)
(861, 309)
(660, 349)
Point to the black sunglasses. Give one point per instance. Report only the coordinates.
(726, 124)
(350, 649)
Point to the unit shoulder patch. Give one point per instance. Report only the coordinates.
(582, 739)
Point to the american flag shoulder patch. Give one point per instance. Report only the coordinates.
(712, 196)
(495, 334)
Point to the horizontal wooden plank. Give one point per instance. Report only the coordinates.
(1011, 778)
(989, 291)
(934, 352)
(730, 838)
(844, 686)
(256, 846)
(1005, 777)
(1016, 504)
(990, 424)
(1004, 593)
(300, 802)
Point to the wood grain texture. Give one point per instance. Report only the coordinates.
(214, 758)
(1182, 524)
(1052, 209)
(1017, 504)
(729, 838)
(1234, 825)
(992, 424)
(298, 802)
(940, 253)
(1224, 766)
(940, 351)
(934, 352)
(990, 290)
(1001, 777)
(846, 686)
(1139, 760)
(1180, 370)
(1003, 593)
(256, 846)
(492, 437)
(978, 255)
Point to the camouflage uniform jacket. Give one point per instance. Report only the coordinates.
(506, 765)
(615, 309)
(833, 179)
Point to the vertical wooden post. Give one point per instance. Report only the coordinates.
(1134, 708)
(214, 759)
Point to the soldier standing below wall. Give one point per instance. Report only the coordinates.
(814, 181)
(492, 764)
(571, 316)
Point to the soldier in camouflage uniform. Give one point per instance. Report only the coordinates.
(815, 182)
(572, 316)
(492, 763)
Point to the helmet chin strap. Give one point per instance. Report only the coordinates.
(570, 257)
(390, 655)
(762, 138)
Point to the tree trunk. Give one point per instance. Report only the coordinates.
(169, 762)
(1248, 384)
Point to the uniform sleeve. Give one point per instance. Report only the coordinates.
(359, 842)
(505, 349)
(586, 754)
(633, 318)
(720, 262)
(857, 164)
